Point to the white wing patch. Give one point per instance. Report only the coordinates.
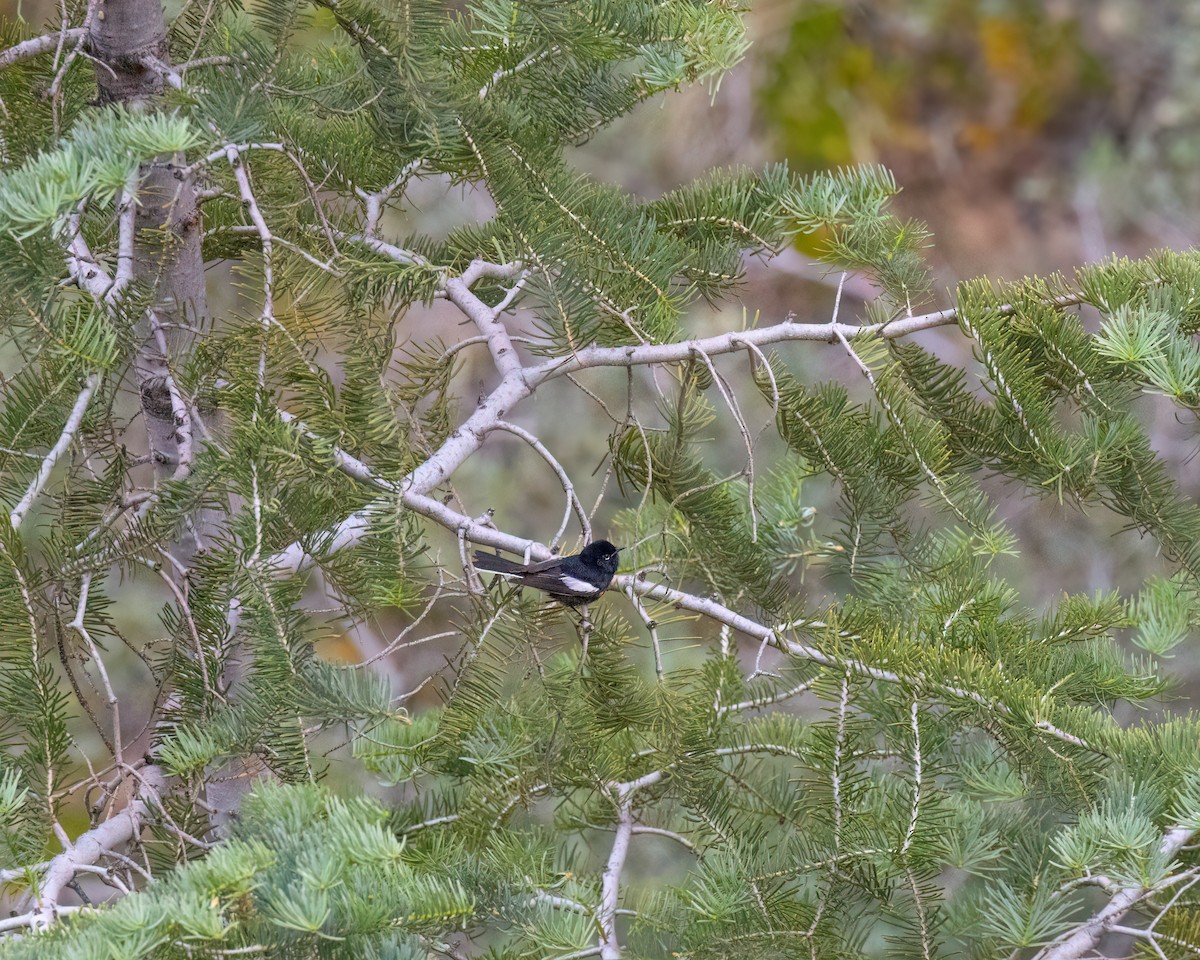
(575, 585)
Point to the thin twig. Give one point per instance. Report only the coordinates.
(70, 428)
(114, 703)
(573, 502)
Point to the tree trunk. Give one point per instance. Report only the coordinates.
(127, 37)
(128, 41)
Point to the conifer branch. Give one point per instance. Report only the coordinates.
(641, 828)
(266, 241)
(33, 920)
(722, 614)
(85, 269)
(355, 526)
(485, 318)
(92, 277)
(562, 903)
(933, 660)
(525, 64)
(376, 201)
(172, 77)
(785, 332)
(755, 703)
(1085, 938)
(221, 153)
(390, 250)
(126, 238)
(114, 703)
(520, 382)
(610, 888)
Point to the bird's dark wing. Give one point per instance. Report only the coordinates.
(497, 564)
(558, 584)
(547, 576)
(552, 564)
(494, 563)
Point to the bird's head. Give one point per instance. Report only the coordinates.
(603, 554)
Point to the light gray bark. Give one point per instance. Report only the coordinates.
(125, 34)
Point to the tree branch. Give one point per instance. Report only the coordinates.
(1086, 937)
(60, 447)
(39, 45)
(98, 842)
(355, 526)
(610, 884)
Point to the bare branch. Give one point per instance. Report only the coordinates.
(458, 290)
(126, 236)
(114, 704)
(250, 202)
(525, 64)
(377, 200)
(755, 703)
(39, 45)
(610, 889)
(98, 842)
(784, 332)
(573, 502)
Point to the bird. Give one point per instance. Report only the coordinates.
(574, 580)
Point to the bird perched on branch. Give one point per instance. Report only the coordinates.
(574, 580)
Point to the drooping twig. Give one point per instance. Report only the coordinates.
(573, 503)
(114, 704)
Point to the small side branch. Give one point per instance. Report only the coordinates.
(266, 240)
(377, 201)
(573, 502)
(1086, 937)
(35, 47)
(110, 695)
(60, 447)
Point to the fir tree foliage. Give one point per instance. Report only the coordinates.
(841, 733)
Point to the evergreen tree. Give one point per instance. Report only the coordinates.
(709, 762)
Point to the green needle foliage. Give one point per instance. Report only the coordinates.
(829, 718)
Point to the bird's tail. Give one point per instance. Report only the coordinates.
(492, 563)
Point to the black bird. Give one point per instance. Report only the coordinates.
(574, 580)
